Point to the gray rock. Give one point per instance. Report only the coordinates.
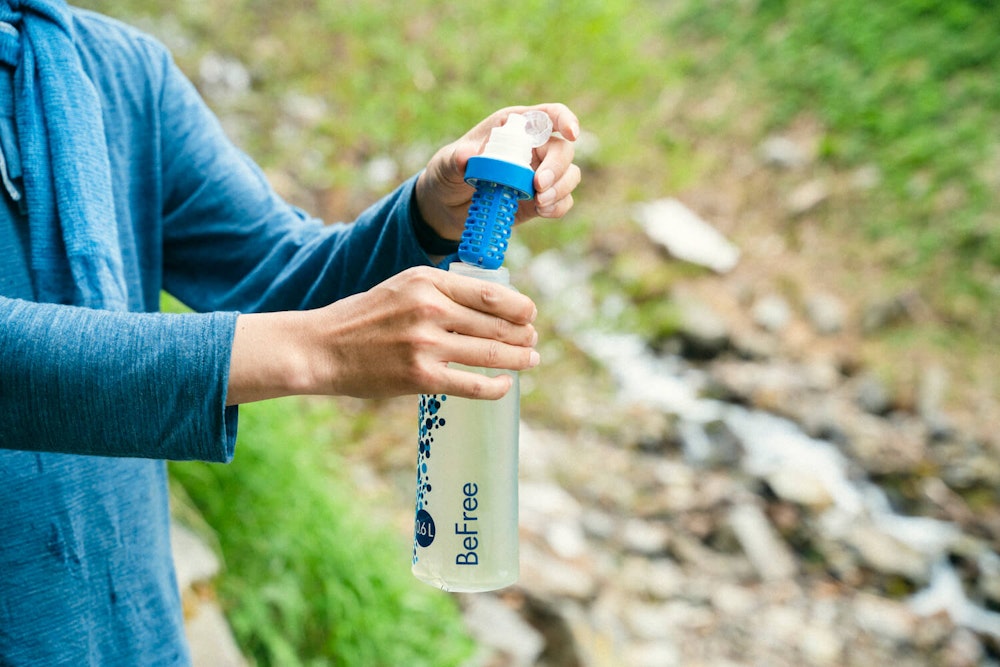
(550, 577)
(962, 650)
(886, 313)
(653, 654)
(827, 313)
(989, 576)
(886, 447)
(821, 646)
(599, 525)
(660, 578)
(887, 555)
(495, 625)
(884, 618)
(873, 396)
(381, 172)
(767, 552)
(931, 394)
(932, 390)
(209, 636)
(194, 561)
(210, 639)
(541, 503)
(802, 487)
(703, 333)
(648, 429)
(866, 177)
(772, 313)
(649, 538)
(734, 600)
(783, 152)
(808, 197)
(725, 446)
(683, 233)
(566, 539)
(666, 620)
(223, 78)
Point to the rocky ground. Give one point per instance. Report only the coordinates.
(665, 546)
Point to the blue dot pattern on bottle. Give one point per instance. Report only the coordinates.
(488, 225)
(429, 421)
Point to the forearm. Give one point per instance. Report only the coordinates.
(81, 381)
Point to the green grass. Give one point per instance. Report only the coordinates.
(908, 86)
(312, 575)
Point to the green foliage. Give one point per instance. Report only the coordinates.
(909, 86)
(312, 576)
(394, 73)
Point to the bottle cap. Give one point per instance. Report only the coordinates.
(513, 141)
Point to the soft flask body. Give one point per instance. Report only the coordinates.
(466, 523)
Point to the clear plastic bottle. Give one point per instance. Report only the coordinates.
(465, 531)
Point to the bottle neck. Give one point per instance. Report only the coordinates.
(500, 276)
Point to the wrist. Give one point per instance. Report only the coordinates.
(442, 218)
(271, 358)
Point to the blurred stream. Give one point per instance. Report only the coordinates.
(775, 449)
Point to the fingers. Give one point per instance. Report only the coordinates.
(556, 176)
(414, 333)
(486, 298)
(554, 196)
(565, 127)
(443, 196)
(490, 328)
(467, 384)
(473, 367)
(483, 353)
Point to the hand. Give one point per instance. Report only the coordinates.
(394, 339)
(443, 195)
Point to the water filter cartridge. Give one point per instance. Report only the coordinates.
(502, 176)
(465, 529)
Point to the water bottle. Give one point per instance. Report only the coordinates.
(465, 530)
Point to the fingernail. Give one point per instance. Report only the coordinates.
(534, 359)
(534, 339)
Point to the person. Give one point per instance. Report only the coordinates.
(118, 183)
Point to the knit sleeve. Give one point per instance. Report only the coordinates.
(231, 243)
(82, 381)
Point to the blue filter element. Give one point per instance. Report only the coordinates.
(499, 186)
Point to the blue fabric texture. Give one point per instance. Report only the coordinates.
(94, 398)
(68, 188)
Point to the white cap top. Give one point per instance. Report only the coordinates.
(513, 141)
